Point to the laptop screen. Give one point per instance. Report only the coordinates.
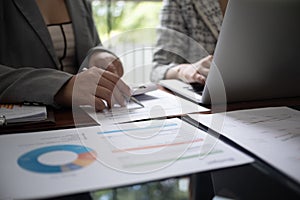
(257, 54)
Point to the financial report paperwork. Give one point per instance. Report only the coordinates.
(272, 134)
(59, 162)
(156, 104)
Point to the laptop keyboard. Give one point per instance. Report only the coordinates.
(196, 87)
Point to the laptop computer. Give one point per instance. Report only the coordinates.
(257, 55)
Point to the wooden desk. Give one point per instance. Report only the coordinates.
(262, 178)
(57, 119)
(63, 118)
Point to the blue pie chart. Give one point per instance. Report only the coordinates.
(30, 160)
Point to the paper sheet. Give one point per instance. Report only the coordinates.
(157, 104)
(23, 113)
(60, 162)
(272, 134)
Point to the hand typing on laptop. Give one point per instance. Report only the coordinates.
(190, 73)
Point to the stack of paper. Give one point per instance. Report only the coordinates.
(23, 113)
(273, 134)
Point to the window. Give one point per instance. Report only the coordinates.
(128, 28)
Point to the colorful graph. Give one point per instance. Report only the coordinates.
(30, 160)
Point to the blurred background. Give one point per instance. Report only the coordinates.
(175, 189)
(128, 28)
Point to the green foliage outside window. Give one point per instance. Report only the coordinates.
(122, 16)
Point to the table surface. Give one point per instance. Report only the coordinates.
(63, 118)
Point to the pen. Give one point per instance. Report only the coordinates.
(131, 98)
(136, 101)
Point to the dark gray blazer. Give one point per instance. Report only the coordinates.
(28, 64)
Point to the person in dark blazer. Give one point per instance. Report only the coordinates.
(44, 47)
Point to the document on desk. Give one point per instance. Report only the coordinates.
(17, 113)
(156, 104)
(60, 162)
(272, 134)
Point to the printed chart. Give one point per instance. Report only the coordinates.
(30, 161)
(60, 162)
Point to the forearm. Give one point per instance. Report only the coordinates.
(30, 84)
(173, 73)
(159, 71)
(172, 43)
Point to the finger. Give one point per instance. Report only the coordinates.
(103, 74)
(110, 96)
(99, 104)
(118, 96)
(122, 86)
(205, 64)
(119, 90)
(112, 68)
(207, 61)
(204, 71)
(119, 67)
(189, 78)
(199, 78)
(112, 82)
(115, 67)
(113, 101)
(108, 79)
(104, 82)
(105, 94)
(109, 76)
(209, 57)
